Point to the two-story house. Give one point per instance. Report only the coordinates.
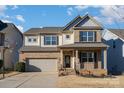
(11, 40)
(77, 43)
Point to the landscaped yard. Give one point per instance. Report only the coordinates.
(73, 81)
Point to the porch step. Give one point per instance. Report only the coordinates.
(65, 72)
(70, 71)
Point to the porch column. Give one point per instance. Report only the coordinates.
(74, 59)
(61, 58)
(99, 61)
(105, 58)
(77, 65)
(1, 56)
(77, 59)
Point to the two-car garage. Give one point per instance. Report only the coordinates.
(40, 59)
(41, 65)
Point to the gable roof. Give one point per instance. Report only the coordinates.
(9, 26)
(48, 30)
(118, 32)
(5, 28)
(57, 30)
(2, 25)
(90, 17)
(73, 22)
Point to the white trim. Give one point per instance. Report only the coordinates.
(87, 56)
(114, 34)
(51, 39)
(87, 36)
(123, 50)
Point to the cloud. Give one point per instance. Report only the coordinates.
(41, 26)
(69, 11)
(2, 9)
(105, 20)
(111, 14)
(6, 21)
(14, 7)
(20, 18)
(108, 14)
(114, 12)
(81, 7)
(20, 28)
(7, 16)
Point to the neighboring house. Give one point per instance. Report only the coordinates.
(77, 44)
(12, 39)
(115, 39)
(1, 43)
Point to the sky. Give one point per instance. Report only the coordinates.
(34, 16)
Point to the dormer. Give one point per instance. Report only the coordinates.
(88, 23)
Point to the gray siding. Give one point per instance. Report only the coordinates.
(15, 40)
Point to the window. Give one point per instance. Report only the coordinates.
(50, 40)
(29, 40)
(114, 46)
(67, 36)
(32, 39)
(87, 57)
(87, 36)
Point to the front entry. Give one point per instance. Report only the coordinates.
(67, 61)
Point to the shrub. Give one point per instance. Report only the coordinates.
(20, 66)
(1, 63)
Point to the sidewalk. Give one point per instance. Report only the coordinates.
(9, 74)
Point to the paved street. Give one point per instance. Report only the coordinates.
(30, 80)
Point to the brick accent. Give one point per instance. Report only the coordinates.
(23, 56)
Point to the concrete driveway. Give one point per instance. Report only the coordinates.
(31, 80)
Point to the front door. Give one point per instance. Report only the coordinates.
(67, 61)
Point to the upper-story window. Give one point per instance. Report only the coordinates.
(67, 36)
(32, 40)
(50, 40)
(87, 36)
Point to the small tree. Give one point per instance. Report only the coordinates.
(1, 63)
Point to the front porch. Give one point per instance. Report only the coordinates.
(88, 60)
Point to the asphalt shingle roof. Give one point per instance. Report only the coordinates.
(84, 45)
(118, 32)
(6, 27)
(52, 30)
(38, 49)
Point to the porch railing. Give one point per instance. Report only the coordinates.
(77, 66)
(88, 66)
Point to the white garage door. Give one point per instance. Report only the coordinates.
(41, 65)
